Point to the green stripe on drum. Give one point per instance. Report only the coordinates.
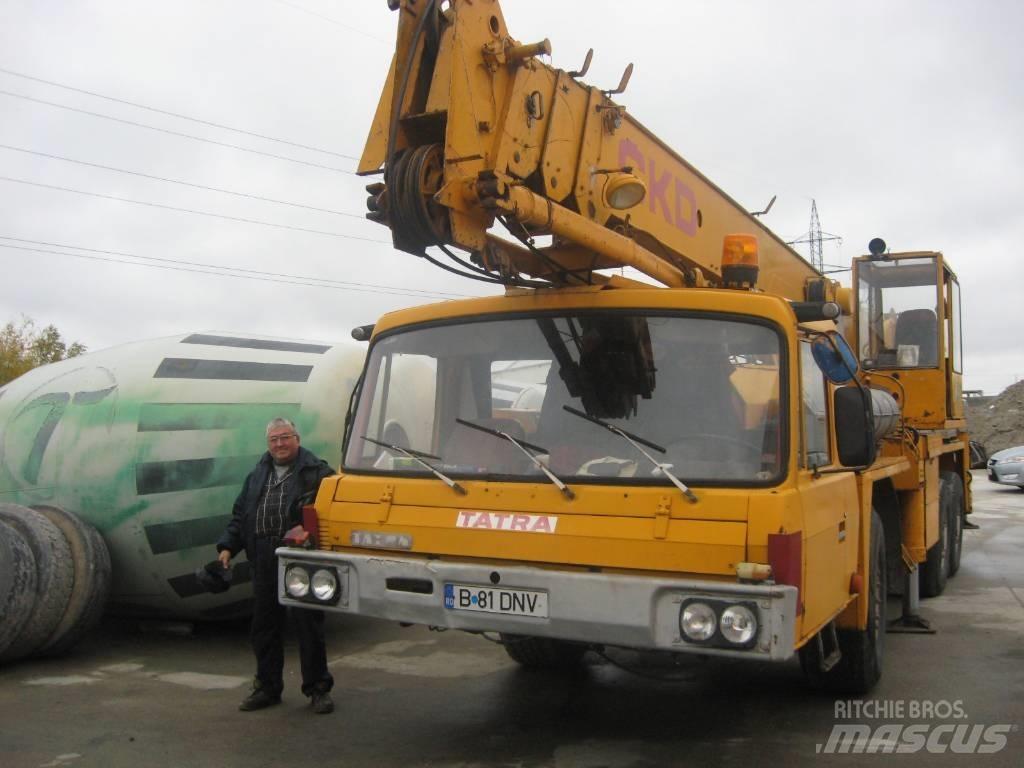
(230, 370)
(174, 417)
(186, 534)
(191, 474)
(232, 341)
(187, 585)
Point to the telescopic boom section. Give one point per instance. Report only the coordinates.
(473, 127)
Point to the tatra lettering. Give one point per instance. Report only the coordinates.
(506, 521)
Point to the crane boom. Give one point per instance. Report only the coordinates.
(472, 126)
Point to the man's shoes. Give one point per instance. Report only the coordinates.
(259, 699)
(322, 703)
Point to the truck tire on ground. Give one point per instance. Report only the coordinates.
(91, 585)
(935, 568)
(862, 650)
(54, 577)
(955, 486)
(542, 652)
(17, 584)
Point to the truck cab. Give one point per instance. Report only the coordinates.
(651, 469)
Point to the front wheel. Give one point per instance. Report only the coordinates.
(860, 664)
(543, 652)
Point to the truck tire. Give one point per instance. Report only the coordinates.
(543, 652)
(956, 519)
(54, 577)
(17, 584)
(860, 666)
(91, 586)
(935, 568)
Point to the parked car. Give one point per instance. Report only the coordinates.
(1007, 466)
(979, 456)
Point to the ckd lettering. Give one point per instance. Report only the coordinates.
(667, 194)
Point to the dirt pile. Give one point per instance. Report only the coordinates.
(999, 423)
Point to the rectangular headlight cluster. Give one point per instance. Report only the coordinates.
(719, 624)
(316, 584)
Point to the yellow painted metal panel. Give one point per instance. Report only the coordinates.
(831, 516)
(710, 300)
(691, 546)
(718, 504)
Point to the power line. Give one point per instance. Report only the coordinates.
(176, 133)
(193, 210)
(213, 269)
(183, 183)
(235, 269)
(328, 18)
(176, 114)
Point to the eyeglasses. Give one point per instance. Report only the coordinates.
(281, 439)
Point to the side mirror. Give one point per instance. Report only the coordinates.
(834, 357)
(855, 426)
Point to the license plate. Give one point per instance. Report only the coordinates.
(512, 602)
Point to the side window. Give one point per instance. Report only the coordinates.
(403, 404)
(954, 309)
(814, 413)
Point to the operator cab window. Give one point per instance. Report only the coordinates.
(899, 321)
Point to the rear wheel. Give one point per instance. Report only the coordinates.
(91, 586)
(543, 652)
(955, 486)
(17, 584)
(860, 665)
(54, 578)
(935, 569)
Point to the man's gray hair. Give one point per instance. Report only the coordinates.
(280, 421)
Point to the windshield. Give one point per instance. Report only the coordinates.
(704, 389)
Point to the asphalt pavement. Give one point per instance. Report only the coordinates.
(166, 694)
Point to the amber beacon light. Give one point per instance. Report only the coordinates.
(739, 261)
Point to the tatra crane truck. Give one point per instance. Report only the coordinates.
(719, 451)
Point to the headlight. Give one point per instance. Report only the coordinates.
(697, 621)
(738, 624)
(296, 582)
(324, 584)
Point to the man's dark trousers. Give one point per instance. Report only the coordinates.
(268, 623)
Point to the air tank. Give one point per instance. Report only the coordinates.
(886, 412)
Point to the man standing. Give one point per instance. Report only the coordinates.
(286, 477)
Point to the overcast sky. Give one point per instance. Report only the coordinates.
(903, 120)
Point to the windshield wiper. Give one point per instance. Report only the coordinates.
(522, 445)
(418, 457)
(636, 441)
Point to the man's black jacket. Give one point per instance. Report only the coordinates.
(241, 531)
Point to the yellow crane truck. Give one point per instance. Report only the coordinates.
(719, 451)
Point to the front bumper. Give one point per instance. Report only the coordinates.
(596, 608)
(1010, 473)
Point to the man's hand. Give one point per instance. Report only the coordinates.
(225, 558)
